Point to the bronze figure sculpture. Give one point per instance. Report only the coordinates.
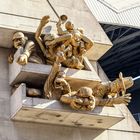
(66, 48)
(56, 87)
(28, 47)
(98, 96)
(71, 42)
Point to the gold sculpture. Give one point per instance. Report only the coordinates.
(82, 99)
(87, 98)
(55, 85)
(28, 46)
(71, 42)
(67, 48)
(31, 92)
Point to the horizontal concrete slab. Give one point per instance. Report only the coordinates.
(53, 112)
(36, 74)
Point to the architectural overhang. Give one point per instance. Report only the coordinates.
(126, 12)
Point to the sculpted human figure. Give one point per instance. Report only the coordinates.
(115, 88)
(28, 47)
(99, 95)
(72, 43)
(79, 42)
(82, 99)
(55, 85)
(51, 43)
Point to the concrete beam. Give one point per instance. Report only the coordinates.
(53, 112)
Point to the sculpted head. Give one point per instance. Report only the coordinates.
(19, 39)
(49, 37)
(121, 84)
(69, 25)
(128, 82)
(85, 92)
(59, 81)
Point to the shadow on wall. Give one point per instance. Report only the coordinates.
(26, 131)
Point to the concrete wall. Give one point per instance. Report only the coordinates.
(10, 130)
(25, 15)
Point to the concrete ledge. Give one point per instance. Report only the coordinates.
(36, 74)
(53, 112)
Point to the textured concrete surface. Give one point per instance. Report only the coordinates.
(79, 13)
(25, 16)
(12, 130)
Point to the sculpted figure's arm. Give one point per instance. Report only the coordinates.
(89, 42)
(28, 49)
(10, 59)
(111, 101)
(59, 28)
(11, 55)
(48, 86)
(80, 100)
(67, 98)
(42, 24)
(66, 38)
